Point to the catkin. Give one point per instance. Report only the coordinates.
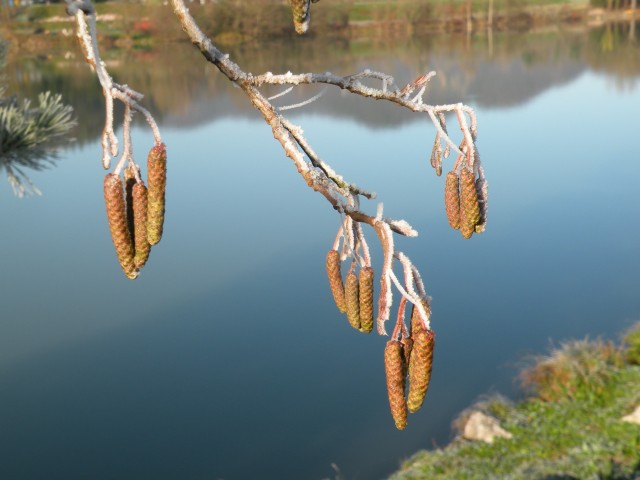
(395, 382)
(467, 230)
(416, 320)
(157, 178)
(365, 279)
(452, 199)
(117, 217)
(141, 243)
(335, 279)
(300, 10)
(352, 300)
(407, 346)
(481, 188)
(420, 368)
(469, 206)
(129, 182)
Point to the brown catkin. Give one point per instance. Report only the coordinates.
(129, 182)
(157, 179)
(365, 279)
(467, 230)
(141, 243)
(407, 346)
(452, 199)
(352, 300)
(335, 279)
(420, 368)
(469, 206)
(416, 320)
(117, 217)
(395, 382)
(300, 10)
(481, 188)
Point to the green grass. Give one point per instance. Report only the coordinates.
(570, 426)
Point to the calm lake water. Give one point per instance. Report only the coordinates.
(226, 358)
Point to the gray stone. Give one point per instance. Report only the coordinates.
(633, 417)
(484, 428)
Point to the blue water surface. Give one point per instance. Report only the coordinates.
(227, 359)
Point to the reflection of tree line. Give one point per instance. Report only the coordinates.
(182, 90)
(614, 50)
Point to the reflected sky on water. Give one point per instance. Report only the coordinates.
(227, 358)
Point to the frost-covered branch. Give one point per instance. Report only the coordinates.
(85, 17)
(465, 196)
(317, 172)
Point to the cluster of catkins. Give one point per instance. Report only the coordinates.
(355, 296)
(463, 202)
(410, 356)
(136, 212)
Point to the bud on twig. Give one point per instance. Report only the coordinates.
(420, 368)
(335, 279)
(157, 177)
(452, 199)
(352, 300)
(395, 382)
(436, 155)
(116, 215)
(365, 279)
(142, 247)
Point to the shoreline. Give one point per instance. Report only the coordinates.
(38, 28)
(580, 419)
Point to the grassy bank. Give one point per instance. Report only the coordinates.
(570, 427)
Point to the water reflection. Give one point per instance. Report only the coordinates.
(182, 90)
(227, 359)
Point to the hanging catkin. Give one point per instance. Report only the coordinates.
(481, 188)
(142, 247)
(157, 178)
(352, 300)
(407, 346)
(395, 382)
(452, 199)
(365, 278)
(117, 217)
(335, 279)
(469, 207)
(420, 367)
(129, 182)
(416, 320)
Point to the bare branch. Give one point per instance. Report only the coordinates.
(85, 16)
(343, 196)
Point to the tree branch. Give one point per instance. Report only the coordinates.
(343, 196)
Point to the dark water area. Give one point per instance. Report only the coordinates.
(226, 358)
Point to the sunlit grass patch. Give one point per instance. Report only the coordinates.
(579, 367)
(570, 426)
(631, 343)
